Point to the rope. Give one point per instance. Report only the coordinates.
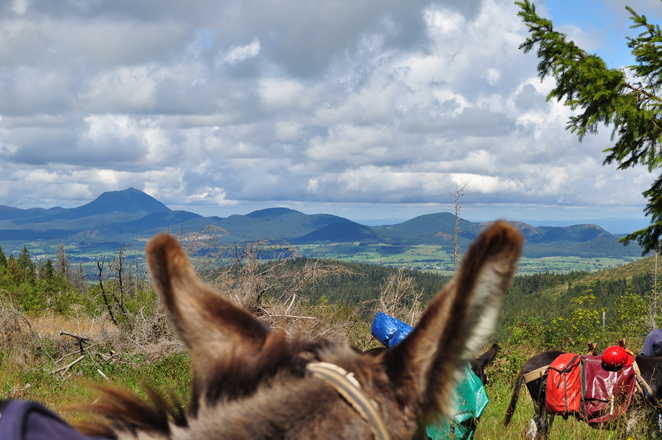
(350, 389)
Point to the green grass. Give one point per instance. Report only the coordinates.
(172, 373)
(64, 392)
(491, 423)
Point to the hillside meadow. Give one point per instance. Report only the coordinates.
(60, 334)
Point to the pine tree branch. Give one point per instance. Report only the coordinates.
(603, 96)
(643, 91)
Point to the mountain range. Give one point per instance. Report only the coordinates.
(132, 215)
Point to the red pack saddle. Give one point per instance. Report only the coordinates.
(581, 386)
(564, 385)
(607, 394)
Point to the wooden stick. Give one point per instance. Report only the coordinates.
(66, 367)
(81, 340)
(292, 316)
(84, 338)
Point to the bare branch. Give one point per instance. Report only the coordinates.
(81, 340)
(293, 317)
(69, 365)
(642, 91)
(100, 264)
(457, 197)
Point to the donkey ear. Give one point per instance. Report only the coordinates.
(211, 326)
(488, 357)
(426, 366)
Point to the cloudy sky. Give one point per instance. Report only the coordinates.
(372, 109)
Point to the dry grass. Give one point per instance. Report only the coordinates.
(17, 337)
(149, 334)
(50, 325)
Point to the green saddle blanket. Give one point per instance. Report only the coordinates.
(470, 401)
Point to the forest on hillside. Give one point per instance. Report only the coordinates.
(545, 309)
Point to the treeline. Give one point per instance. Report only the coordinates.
(576, 312)
(41, 285)
(47, 285)
(544, 310)
(60, 287)
(547, 310)
(362, 284)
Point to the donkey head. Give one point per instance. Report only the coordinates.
(250, 381)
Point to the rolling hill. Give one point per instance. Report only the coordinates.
(342, 231)
(131, 215)
(429, 228)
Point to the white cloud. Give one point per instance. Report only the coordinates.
(492, 76)
(238, 54)
(352, 144)
(281, 93)
(350, 102)
(211, 195)
(20, 7)
(129, 88)
(443, 21)
(288, 130)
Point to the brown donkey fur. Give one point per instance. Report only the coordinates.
(250, 382)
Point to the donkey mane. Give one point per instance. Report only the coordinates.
(250, 381)
(122, 410)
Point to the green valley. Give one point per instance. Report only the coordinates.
(126, 219)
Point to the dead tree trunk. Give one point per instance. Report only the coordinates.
(457, 197)
(120, 284)
(120, 276)
(100, 264)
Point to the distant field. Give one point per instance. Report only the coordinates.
(435, 258)
(421, 257)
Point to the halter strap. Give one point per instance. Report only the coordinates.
(349, 388)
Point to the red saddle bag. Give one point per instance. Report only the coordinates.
(607, 394)
(563, 392)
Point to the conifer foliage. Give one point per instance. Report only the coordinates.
(627, 100)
